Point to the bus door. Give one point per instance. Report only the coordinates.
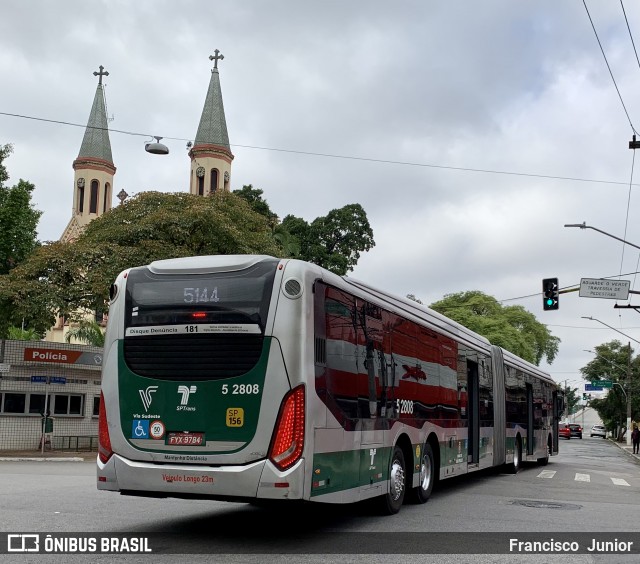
(373, 399)
(473, 444)
(529, 419)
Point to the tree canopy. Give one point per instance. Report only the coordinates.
(18, 222)
(334, 241)
(512, 327)
(70, 279)
(18, 218)
(571, 399)
(613, 361)
(63, 278)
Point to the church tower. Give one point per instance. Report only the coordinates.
(94, 169)
(211, 155)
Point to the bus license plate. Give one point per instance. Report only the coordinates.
(185, 439)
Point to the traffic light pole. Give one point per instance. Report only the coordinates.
(632, 145)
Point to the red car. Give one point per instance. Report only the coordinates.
(576, 430)
(564, 431)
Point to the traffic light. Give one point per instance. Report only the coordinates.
(584, 397)
(550, 293)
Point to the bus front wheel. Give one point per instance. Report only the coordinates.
(422, 493)
(393, 499)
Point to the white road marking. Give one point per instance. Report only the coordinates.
(582, 478)
(547, 474)
(619, 482)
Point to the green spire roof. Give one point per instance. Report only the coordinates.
(96, 137)
(213, 127)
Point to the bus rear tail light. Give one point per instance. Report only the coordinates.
(104, 441)
(287, 442)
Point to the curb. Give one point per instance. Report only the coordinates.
(46, 459)
(624, 448)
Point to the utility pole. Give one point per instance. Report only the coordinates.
(628, 433)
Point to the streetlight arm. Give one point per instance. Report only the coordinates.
(619, 366)
(584, 225)
(609, 326)
(622, 388)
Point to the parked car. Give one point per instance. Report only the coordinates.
(598, 431)
(563, 431)
(575, 430)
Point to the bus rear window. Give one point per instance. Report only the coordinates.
(227, 302)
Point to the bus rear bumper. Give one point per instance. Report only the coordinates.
(261, 479)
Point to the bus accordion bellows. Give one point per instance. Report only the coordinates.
(247, 378)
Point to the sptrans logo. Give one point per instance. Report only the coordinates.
(186, 392)
(145, 396)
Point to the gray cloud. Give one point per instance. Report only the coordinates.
(493, 85)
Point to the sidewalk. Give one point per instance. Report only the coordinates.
(627, 449)
(47, 456)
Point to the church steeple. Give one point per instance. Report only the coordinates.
(94, 168)
(211, 154)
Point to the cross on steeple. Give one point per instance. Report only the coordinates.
(100, 74)
(215, 58)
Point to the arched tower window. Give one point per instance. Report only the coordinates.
(93, 198)
(107, 197)
(80, 199)
(200, 185)
(214, 180)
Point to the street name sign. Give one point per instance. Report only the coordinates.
(592, 388)
(601, 288)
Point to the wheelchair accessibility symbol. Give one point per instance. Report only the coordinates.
(140, 429)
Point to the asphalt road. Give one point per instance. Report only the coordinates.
(592, 486)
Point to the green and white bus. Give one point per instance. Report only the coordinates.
(246, 378)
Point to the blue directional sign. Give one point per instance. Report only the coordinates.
(38, 379)
(592, 388)
(58, 380)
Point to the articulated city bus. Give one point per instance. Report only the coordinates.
(249, 378)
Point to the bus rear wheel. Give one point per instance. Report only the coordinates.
(422, 493)
(392, 501)
(514, 467)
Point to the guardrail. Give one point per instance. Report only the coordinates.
(74, 442)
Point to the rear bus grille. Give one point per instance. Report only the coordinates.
(187, 357)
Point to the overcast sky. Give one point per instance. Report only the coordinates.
(516, 93)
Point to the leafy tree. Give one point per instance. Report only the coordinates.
(86, 331)
(18, 218)
(254, 197)
(413, 298)
(18, 222)
(612, 363)
(334, 241)
(19, 334)
(72, 278)
(512, 327)
(571, 399)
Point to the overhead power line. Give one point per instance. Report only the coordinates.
(609, 67)
(336, 156)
